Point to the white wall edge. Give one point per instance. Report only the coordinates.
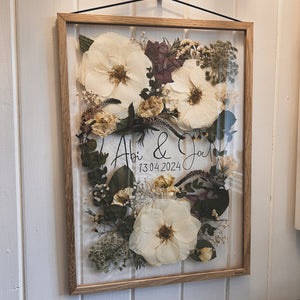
(17, 142)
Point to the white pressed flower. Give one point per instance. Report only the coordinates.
(164, 185)
(114, 67)
(205, 254)
(193, 96)
(164, 232)
(122, 197)
(228, 165)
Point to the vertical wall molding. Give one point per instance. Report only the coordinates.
(11, 243)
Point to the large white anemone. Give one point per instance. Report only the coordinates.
(193, 96)
(164, 232)
(115, 67)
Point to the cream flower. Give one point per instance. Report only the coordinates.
(105, 123)
(150, 107)
(164, 232)
(228, 98)
(164, 185)
(205, 254)
(228, 165)
(193, 96)
(215, 214)
(122, 197)
(114, 67)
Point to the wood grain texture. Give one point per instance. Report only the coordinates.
(64, 87)
(153, 22)
(63, 20)
(157, 281)
(248, 144)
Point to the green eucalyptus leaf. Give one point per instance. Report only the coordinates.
(121, 179)
(109, 215)
(94, 165)
(188, 188)
(102, 158)
(180, 195)
(119, 211)
(85, 43)
(213, 170)
(197, 185)
(215, 152)
(86, 159)
(207, 227)
(90, 145)
(220, 203)
(96, 177)
(130, 115)
(126, 228)
(114, 212)
(94, 155)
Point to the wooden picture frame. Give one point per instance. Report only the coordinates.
(245, 31)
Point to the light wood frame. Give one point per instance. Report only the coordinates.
(247, 28)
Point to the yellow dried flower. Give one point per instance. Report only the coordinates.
(215, 214)
(228, 165)
(164, 185)
(122, 197)
(150, 107)
(205, 254)
(105, 123)
(227, 98)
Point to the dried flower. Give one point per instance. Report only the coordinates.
(103, 123)
(193, 96)
(215, 214)
(220, 61)
(110, 252)
(164, 185)
(164, 232)
(87, 115)
(151, 107)
(114, 67)
(163, 63)
(228, 165)
(205, 254)
(91, 98)
(227, 98)
(122, 197)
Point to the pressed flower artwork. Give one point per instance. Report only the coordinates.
(130, 90)
(157, 139)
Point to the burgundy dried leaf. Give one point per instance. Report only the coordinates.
(162, 64)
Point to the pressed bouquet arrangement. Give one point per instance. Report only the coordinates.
(133, 88)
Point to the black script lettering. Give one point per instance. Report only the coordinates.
(188, 162)
(124, 152)
(158, 153)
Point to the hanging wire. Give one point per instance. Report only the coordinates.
(159, 2)
(206, 10)
(105, 6)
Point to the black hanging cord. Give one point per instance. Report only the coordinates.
(105, 6)
(206, 10)
(178, 1)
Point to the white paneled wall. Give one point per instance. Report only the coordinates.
(32, 217)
